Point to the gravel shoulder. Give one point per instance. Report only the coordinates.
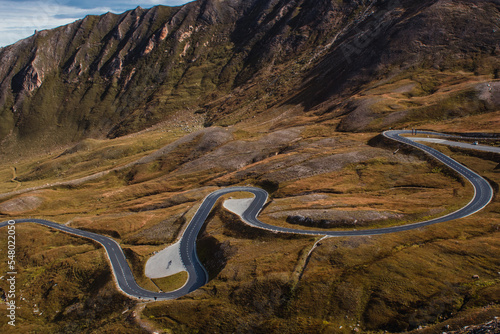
(238, 206)
(165, 263)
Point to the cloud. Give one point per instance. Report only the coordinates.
(20, 18)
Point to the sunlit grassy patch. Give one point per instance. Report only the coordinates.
(171, 283)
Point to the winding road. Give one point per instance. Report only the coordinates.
(197, 275)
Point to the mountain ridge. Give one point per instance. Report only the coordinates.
(114, 74)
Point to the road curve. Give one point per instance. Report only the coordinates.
(197, 275)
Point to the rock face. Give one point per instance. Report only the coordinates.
(113, 74)
(27, 80)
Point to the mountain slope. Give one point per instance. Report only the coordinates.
(228, 60)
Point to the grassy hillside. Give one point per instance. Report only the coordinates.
(261, 281)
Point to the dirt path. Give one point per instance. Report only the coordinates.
(303, 262)
(14, 178)
(146, 325)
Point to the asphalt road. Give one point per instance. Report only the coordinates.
(197, 275)
(483, 148)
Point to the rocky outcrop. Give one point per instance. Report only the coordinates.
(337, 218)
(163, 33)
(149, 47)
(490, 327)
(27, 80)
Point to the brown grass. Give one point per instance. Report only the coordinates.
(171, 283)
(392, 282)
(395, 282)
(62, 283)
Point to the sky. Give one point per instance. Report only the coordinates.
(20, 18)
